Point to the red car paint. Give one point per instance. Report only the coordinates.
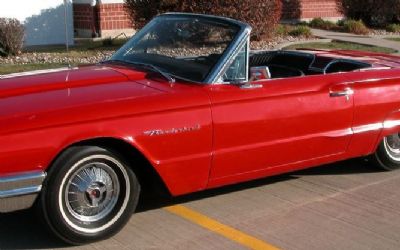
(199, 136)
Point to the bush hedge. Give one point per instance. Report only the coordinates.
(375, 13)
(262, 15)
(301, 31)
(395, 28)
(11, 36)
(320, 23)
(349, 26)
(355, 27)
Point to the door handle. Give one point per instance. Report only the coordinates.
(251, 86)
(346, 92)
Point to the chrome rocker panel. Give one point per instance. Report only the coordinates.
(19, 191)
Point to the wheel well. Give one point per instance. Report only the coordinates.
(148, 177)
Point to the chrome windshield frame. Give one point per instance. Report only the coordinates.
(220, 69)
(230, 52)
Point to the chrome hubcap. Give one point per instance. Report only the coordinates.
(392, 146)
(92, 192)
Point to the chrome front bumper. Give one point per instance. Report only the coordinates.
(20, 191)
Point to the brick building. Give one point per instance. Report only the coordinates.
(100, 18)
(107, 18)
(308, 9)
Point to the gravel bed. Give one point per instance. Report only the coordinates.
(57, 58)
(381, 32)
(82, 57)
(268, 45)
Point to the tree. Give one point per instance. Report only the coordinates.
(376, 13)
(11, 36)
(262, 15)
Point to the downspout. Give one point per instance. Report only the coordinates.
(95, 4)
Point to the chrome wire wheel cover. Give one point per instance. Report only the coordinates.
(92, 192)
(392, 146)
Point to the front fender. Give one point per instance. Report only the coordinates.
(390, 125)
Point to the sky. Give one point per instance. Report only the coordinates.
(21, 9)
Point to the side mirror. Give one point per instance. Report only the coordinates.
(259, 73)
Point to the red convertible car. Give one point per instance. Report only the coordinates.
(185, 103)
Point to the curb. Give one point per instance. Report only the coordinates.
(320, 34)
(283, 45)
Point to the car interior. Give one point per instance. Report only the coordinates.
(284, 64)
(278, 64)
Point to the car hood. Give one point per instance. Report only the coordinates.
(63, 78)
(39, 99)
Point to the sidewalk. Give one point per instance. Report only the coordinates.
(287, 44)
(353, 38)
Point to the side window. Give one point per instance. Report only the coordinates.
(237, 71)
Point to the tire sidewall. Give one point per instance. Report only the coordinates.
(384, 160)
(50, 197)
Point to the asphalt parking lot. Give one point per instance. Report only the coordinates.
(347, 205)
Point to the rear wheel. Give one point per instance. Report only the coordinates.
(387, 155)
(89, 195)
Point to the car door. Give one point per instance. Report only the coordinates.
(278, 123)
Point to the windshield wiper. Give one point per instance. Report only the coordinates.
(113, 61)
(155, 69)
(145, 65)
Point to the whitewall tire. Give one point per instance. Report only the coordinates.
(387, 156)
(89, 194)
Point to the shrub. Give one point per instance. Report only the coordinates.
(302, 23)
(372, 12)
(282, 30)
(317, 22)
(107, 42)
(355, 27)
(395, 28)
(262, 15)
(301, 30)
(11, 36)
(320, 23)
(340, 22)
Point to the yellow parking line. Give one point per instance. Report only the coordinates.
(217, 227)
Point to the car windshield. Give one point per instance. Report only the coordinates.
(186, 47)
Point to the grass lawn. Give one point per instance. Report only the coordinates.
(396, 39)
(15, 68)
(86, 46)
(342, 45)
(82, 49)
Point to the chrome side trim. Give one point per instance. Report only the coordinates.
(372, 68)
(20, 191)
(34, 72)
(23, 176)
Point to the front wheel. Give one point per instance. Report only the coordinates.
(89, 195)
(387, 155)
